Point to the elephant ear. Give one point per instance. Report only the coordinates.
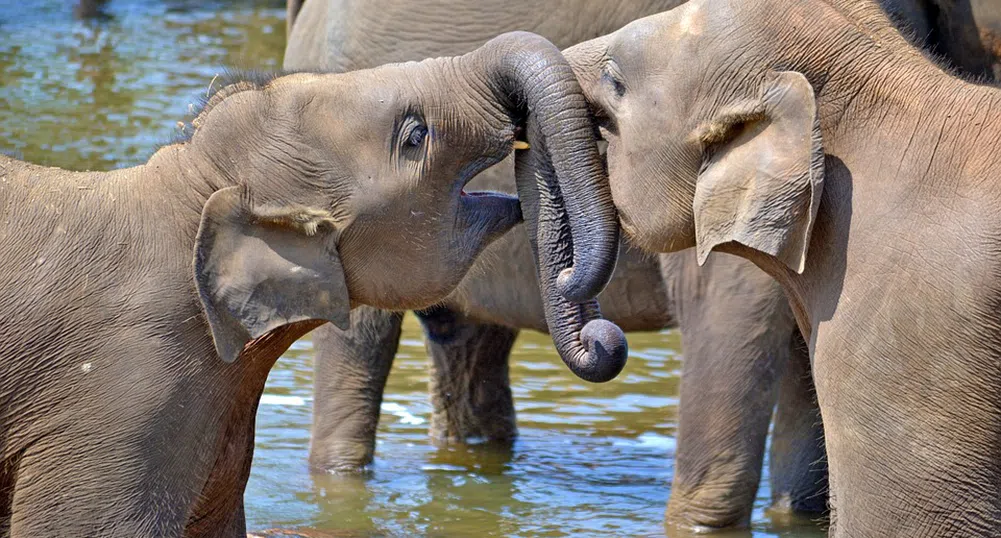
(762, 182)
(257, 269)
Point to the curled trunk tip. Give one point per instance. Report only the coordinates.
(605, 352)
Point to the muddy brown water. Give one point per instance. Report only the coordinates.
(590, 461)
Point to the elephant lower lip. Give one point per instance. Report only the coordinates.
(489, 213)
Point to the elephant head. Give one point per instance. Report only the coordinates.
(700, 152)
(351, 191)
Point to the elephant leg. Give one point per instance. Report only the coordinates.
(735, 325)
(219, 510)
(798, 459)
(351, 368)
(470, 388)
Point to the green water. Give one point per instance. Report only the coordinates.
(590, 461)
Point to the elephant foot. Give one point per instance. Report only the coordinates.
(342, 457)
(470, 389)
(786, 508)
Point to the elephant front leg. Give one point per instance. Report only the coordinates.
(723, 423)
(351, 369)
(470, 388)
(735, 326)
(798, 459)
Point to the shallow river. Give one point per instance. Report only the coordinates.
(590, 460)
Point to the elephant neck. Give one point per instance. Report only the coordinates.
(219, 154)
(173, 187)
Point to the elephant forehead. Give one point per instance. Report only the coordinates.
(407, 76)
(690, 18)
(384, 88)
(687, 19)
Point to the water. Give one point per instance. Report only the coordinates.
(590, 460)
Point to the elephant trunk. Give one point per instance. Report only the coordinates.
(593, 348)
(575, 239)
(527, 72)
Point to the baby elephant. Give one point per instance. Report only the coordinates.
(289, 200)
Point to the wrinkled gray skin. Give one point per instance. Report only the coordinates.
(144, 307)
(862, 177)
(736, 327)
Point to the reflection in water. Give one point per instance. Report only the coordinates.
(101, 92)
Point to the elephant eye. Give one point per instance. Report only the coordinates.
(609, 76)
(414, 133)
(417, 135)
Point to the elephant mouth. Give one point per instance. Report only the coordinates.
(487, 215)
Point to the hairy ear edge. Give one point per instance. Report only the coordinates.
(729, 123)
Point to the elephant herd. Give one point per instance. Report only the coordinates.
(744, 354)
(802, 187)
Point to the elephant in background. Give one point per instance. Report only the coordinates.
(862, 176)
(966, 32)
(742, 355)
(144, 307)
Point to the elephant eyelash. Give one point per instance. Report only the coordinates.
(412, 137)
(617, 86)
(611, 75)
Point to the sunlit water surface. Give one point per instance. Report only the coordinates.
(590, 460)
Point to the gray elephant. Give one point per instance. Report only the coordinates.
(859, 174)
(738, 333)
(144, 307)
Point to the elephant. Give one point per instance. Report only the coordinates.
(823, 147)
(145, 306)
(966, 33)
(742, 351)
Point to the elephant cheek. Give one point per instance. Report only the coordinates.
(627, 196)
(655, 212)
